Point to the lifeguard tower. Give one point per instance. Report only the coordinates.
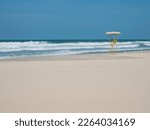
(113, 38)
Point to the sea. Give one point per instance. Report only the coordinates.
(31, 48)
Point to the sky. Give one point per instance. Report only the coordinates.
(74, 19)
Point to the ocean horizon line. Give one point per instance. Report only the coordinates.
(1, 40)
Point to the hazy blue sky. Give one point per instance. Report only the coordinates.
(74, 19)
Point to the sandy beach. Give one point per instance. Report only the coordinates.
(82, 83)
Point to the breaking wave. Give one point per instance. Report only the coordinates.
(34, 48)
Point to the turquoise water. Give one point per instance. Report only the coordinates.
(26, 48)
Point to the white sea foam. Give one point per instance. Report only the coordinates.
(34, 48)
(43, 46)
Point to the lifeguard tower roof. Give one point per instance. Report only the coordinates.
(112, 33)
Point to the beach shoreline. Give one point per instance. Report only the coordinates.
(114, 82)
(91, 56)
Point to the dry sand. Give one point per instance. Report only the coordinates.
(82, 83)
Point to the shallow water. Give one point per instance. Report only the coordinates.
(25, 48)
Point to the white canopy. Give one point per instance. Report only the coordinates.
(112, 33)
